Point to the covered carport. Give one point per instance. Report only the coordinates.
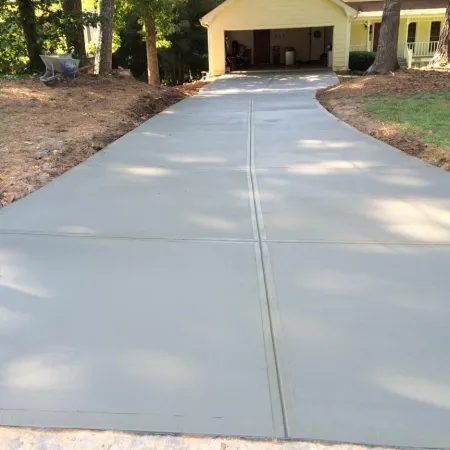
(262, 31)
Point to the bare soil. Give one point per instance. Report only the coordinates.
(346, 101)
(45, 131)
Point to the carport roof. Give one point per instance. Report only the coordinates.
(208, 18)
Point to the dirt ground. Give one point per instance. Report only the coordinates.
(44, 131)
(346, 102)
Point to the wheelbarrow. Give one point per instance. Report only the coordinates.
(59, 68)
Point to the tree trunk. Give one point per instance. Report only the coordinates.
(28, 22)
(152, 54)
(442, 55)
(103, 54)
(386, 59)
(75, 30)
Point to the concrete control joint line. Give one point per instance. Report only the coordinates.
(281, 393)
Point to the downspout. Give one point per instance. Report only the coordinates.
(350, 18)
(206, 25)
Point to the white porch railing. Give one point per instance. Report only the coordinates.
(421, 49)
(358, 48)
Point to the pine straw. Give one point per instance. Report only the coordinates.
(403, 81)
(346, 101)
(72, 122)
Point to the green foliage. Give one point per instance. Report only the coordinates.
(181, 40)
(361, 61)
(137, 10)
(122, 11)
(52, 27)
(131, 53)
(427, 114)
(64, 25)
(187, 54)
(13, 50)
(157, 16)
(159, 12)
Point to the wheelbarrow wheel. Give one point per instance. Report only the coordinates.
(50, 82)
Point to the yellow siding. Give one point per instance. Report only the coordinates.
(270, 14)
(358, 30)
(358, 36)
(287, 14)
(402, 36)
(423, 31)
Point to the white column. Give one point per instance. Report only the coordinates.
(210, 50)
(347, 44)
(368, 46)
(405, 45)
(216, 44)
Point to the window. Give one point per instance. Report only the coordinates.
(435, 31)
(412, 28)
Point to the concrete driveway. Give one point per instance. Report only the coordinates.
(241, 264)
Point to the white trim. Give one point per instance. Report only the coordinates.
(351, 12)
(405, 51)
(284, 26)
(210, 62)
(368, 42)
(405, 12)
(347, 42)
(208, 18)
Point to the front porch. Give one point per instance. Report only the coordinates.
(417, 43)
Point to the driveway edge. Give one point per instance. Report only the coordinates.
(30, 438)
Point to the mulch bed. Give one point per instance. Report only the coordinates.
(346, 101)
(45, 131)
(403, 81)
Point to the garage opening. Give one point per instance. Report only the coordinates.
(279, 48)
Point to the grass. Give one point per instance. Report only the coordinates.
(427, 114)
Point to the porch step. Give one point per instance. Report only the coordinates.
(403, 63)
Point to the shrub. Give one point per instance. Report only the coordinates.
(361, 60)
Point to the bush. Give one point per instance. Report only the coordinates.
(361, 60)
(13, 49)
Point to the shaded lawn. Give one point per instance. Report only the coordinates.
(427, 114)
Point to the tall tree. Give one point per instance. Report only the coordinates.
(152, 53)
(157, 16)
(187, 54)
(28, 21)
(132, 51)
(442, 55)
(103, 55)
(74, 27)
(386, 59)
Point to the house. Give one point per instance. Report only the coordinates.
(267, 33)
(421, 22)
